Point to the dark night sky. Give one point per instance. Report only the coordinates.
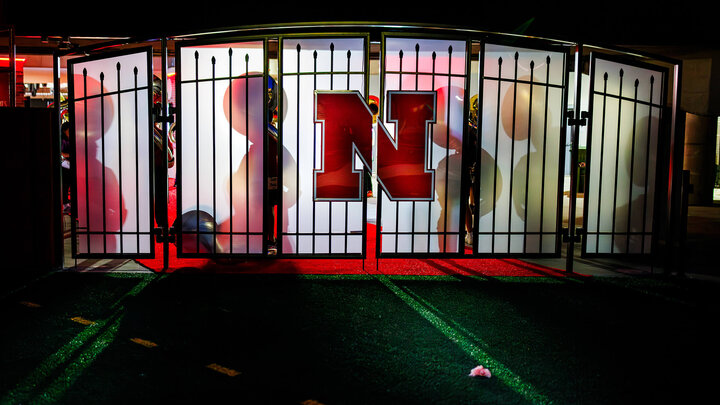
(608, 22)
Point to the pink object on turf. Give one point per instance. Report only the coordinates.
(480, 371)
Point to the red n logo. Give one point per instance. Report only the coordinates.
(403, 167)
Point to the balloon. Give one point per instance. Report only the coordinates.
(440, 128)
(255, 97)
(191, 232)
(490, 177)
(97, 122)
(521, 111)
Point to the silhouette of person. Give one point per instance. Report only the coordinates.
(101, 208)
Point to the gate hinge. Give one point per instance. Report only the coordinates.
(582, 121)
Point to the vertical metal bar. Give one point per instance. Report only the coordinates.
(297, 161)
(465, 158)
(479, 148)
(497, 139)
(617, 160)
(362, 178)
(601, 162)
(381, 115)
(178, 150)
(163, 177)
(57, 174)
(561, 146)
(137, 158)
(673, 205)
(512, 151)
(230, 143)
(151, 163)
(87, 178)
(366, 92)
(412, 216)
(314, 161)
(280, 144)
(378, 234)
(330, 203)
(430, 142)
(527, 158)
(447, 149)
(632, 168)
(247, 153)
(214, 160)
(573, 161)
(544, 156)
(13, 67)
(119, 122)
(266, 227)
(102, 145)
(647, 163)
(72, 114)
(197, 151)
(397, 203)
(348, 70)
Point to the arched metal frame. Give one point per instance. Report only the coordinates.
(668, 208)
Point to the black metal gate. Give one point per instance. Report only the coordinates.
(245, 176)
(520, 129)
(309, 227)
(223, 133)
(625, 140)
(111, 144)
(431, 227)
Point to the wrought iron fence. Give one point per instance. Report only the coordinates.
(496, 148)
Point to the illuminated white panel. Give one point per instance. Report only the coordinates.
(625, 127)
(221, 156)
(520, 139)
(423, 64)
(309, 65)
(110, 100)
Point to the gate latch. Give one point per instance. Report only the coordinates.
(576, 237)
(163, 235)
(159, 117)
(582, 121)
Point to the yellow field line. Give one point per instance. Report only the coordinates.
(144, 342)
(81, 320)
(224, 370)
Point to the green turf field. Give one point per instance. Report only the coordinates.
(362, 339)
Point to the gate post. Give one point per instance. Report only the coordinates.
(161, 178)
(574, 122)
(13, 67)
(57, 179)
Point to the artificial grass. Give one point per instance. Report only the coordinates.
(358, 339)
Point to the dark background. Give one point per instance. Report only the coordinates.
(602, 22)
